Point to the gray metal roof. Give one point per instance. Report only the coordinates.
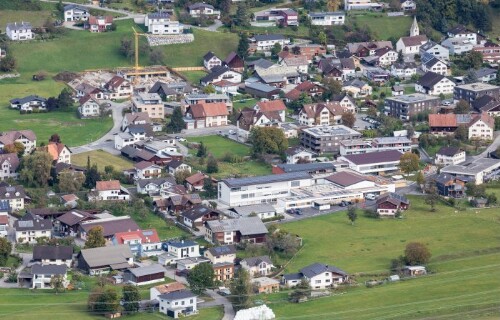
(261, 87)
(268, 37)
(50, 269)
(146, 270)
(176, 295)
(255, 261)
(319, 268)
(104, 256)
(256, 208)
(241, 182)
(222, 250)
(246, 226)
(306, 167)
(182, 243)
(292, 276)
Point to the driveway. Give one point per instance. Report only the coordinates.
(206, 131)
(107, 141)
(213, 28)
(128, 14)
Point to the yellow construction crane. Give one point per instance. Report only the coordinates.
(136, 35)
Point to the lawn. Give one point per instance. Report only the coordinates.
(102, 159)
(383, 26)
(36, 18)
(193, 76)
(240, 104)
(464, 258)
(165, 230)
(218, 146)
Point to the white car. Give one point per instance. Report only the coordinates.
(370, 196)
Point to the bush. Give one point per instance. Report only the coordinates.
(371, 213)
(11, 277)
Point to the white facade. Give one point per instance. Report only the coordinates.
(480, 130)
(30, 236)
(261, 270)
(89, 108)
(213, 62)
(73, 13)
(6, 170)
(403, 72)
(106, 195)
(304, 155)
(445, 160)
(439, 67)
(437, 51)
(178, 307)
(378, 167)
(184, 250)
(19, 31)
(359, 5)
(124, 139)
(458, 45)
(153, 171)
(444, 86)
(388, 58)
(327, 18)
(160, 23)
(408, 49)
(42, 281)
(266, 45)
(225, 258)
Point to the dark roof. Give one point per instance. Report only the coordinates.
(429, 79)
(74, 6)
(393, 198)
(74, 217)
(459, 29)
(200, 5)
(12, 192)
(449, 151)
(174, 164)
(241, 182)
(209, 55)
(147, 270)
(158, 181)
(485, 103)
(176, 295)
(261, 63)
(197, 212)
(52, 252)
(306, 167)
(50, 269)
(345, 179)
(318, 268)
(255, 261)
(297, 149)
(33, 224)
(182, 243)
(215, 73)
(292, 276)
(222, 250)
(268, 37)
(110, 227)
(374, 157)
(28, 99)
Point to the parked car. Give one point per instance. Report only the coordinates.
(370, 196)
(223, 291)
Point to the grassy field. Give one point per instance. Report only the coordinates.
(36, 18)
(218, 146)
(20, 304)
(102, 159)
(383, 26)
(464, 258)
(193, 76)
(250, 103)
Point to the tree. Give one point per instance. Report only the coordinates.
(202, 150)
(95, 238)
(65, 100)
(332, 88)
(16, 147)
(462, 133)
(176, 123)
(36, 169)
(462, 107)
(401, 58)
(471, 76)
(130, 298)
(70, 182)
(201, 277)
(210, 190)
(243, 46)
(126, 47)
(242, 18)
(267, 140)
(103, 301)
(8, 63)
(209, 89)
(417, 253)
(348, 119)
(302, 291)
(351, 214)
(420, 179)
(5, 250)
(157, 56)
(57, 283)
(55, 138)
(52, 103)
(491, 199)
(276, 49)
(212, 165)
(282, 241)
(181, 175)
(409, 162)
(92, 175)
(333, 5)
(473, 60)
(432, 196)
(241, 290)
(322, 38)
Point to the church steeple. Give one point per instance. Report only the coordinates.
(414, 30)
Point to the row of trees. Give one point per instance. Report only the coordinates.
(104, 300)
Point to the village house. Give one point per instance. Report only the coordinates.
(435, 65)
(364, 49)
(361, 5)
(53, 255)
(178, 303)
(219, 73)
(449, 185)
(389, 204)
(84, 89)
(73, 12)
(29, 104)
(68, 224)
(234, 62)
(99, 23)
(59, 152)
(221, 254)
(19, 31)
(231, 231)
(144, 275)
(147, 170)
(201, 9)
(441, 124)
(262, 90)
(327, 18)
(226, 87)
(482, 127)
(257, 266)
(26, 137)
(486, 104)
(265, 285)
(39, 276)
(460, 31)
(196, 181)
(196, 216)
(296, 61)
(322, 139)
(405, 106)
(486, 74)
(265, 42)
(223, 271)
(118, 88)
(210, 61)
(97, 261)
(321, 114)
(205, 115)
(172, 90)
(449, 155)
(31, 229)
(9, 163)
(135, 118)
(278, 76)
(177, 250)
(408, 5)
(111, 191)
(69, 201)
(143, 243)
(150, 103)
(154, 186)
(458, 46)
(318, 275)
(88, 107)
(490, 52)
(109, 224)
(154, 292)
(176, 166)
(357, 88)
(4, 218)
(434, 84)
(404, 70)
(178, 202)
(435, 50)
(15, 195)
(308, 88)
(298, 154)
(280, 16)
(161, 23)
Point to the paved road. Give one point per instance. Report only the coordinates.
(106, 142)
(491, 148)
(128, 14)
(213, 28)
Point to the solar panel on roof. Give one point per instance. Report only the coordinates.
(147, 233)
(25, 224)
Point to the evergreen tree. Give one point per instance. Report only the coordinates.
(242, 18)
(212, 165)
(131, 298)
(241, 290)
(92, 176)
(65, 100)
(176, 123)
(202, 150)
(243, 46)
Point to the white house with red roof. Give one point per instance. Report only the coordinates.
(59, 152)
(118, 88)
(88, 107)
(109, 191)
(205, 115)
(99, 23)
(147, 170)
(274, 106)
(143, 243)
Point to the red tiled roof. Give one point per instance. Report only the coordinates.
(274, 105)
(442, 120)
(197, 177)
(203, 110)
(146, 236)
(485, 117)
(4, 219)
(107, 185)
(55, 149)
(115, 82)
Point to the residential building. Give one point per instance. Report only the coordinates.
(448, 185)
(357, 88)
(154, 186)
(231, 231)
(178, 303)
(205, 115)
(280, 16)
(40, 276)
(59, 152)
(408, 5)
(182, 249)
(210, 61)
(458, 46)
(391, 203)
(321, 114)
(447, 123)
(73, 12)
(361, 5)
(486, 74)
(411, 45)
(19, 31)
(434, 84)
(401, 144)
(382, 57)
(26, 137)
(405, 106)
(265, 42)
(143, 243)
(118, 88)
(278, 76)
(29, 104)
(110, 225)
(15, 195)
(276, 106)
(147, 170)
(380, 162)
(220, 73)
(490, 52)
(184, 265)
(263, 211)
(265, 285)
(327, 18)
(196, 216)
(487, 104)
(298, 154)
(99, 23)
(479, 171)
(319, 276)
(164, 289)
(4, 218)
(9, 163)
(124, 139)
(234, 62)
(144, 275)
(29, 230)
(88, 107)
(260, 189)
(365, 49)
(196, 182)
(298, 62)
(435, 65)
(326, 139)
(111, 190)
(221, 254)
(308, 88)
(449, 155)
(150, 103)
(481, 127)
(257, 266)
(209, 98)
(223, 271)
(97, 261)
(460, 31)
(176, 166)
(346, 101)
(200, 9)
(472, 91)
(436, 50)
(53, 255)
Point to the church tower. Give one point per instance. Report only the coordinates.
(414, 30)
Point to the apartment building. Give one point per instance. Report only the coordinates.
(405, 106)
(327, 139)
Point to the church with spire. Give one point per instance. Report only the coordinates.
(411, 45)
(414, 30)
